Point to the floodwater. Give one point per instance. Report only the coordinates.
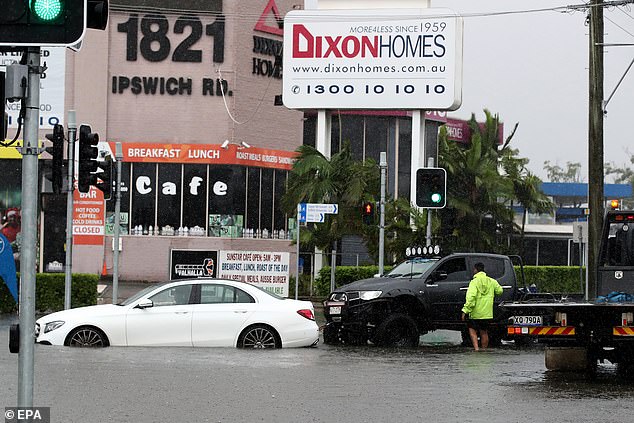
(440, 381)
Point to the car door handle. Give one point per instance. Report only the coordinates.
(464, 288)
(431, 285)
(181, 312)
(239, 311)
(507, 287)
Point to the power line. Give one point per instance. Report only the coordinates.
(247, 17)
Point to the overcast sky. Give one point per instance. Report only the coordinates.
(532, 69)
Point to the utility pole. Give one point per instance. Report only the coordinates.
(595, 143)
(30, 151)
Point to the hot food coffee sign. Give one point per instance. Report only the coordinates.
(373, 59)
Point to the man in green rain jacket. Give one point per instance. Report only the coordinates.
(478, 307)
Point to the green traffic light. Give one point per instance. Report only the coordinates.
(47, 10)
(436, 198)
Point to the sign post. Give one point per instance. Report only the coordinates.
(311, 213)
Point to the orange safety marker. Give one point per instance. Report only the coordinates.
(623, 331)
(542, 330)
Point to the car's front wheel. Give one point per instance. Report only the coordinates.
(397, 330)
(87, 337)
(259, 337)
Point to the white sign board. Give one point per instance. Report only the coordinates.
(373, 59)
(51, 88)
(265, 269)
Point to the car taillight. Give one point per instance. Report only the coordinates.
(307, 313)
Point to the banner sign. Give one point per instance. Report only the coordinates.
(373, 59)
(207, 154)
(52, 87)
(88, 217)
(265, 269)
(188, 264)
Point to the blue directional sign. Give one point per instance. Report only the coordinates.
(315, 212)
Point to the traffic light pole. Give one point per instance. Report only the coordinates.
(30, 151)
(430, 163)
(383, 166)
(117, 211)
(68, 263)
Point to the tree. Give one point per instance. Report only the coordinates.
(622, 175)
(484, 180)
(404, 227)
(475, 187)
(526, 188)
(341, 180)
(556, 173)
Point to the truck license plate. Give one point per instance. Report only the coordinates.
(335, 310)
(527, 320)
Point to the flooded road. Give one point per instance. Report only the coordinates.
(440, 381)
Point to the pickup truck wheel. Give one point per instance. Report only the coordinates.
(397, 330)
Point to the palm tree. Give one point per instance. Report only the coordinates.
(341, 180)
(526, 189)
(475, 186)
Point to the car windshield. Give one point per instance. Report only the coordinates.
(141, 294)
(411, 268)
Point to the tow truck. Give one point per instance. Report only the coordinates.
(578, 333)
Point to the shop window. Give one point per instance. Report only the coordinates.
(169, 192)
(253, 199)
(194, 195)
(404, 156)
(266, 209)
(376, 133)
(227, 186)
(279, 217)
(143, 196)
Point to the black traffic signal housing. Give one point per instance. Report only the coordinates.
(87, 158)
(91, 171)
(368, 211)
(57, 153)
(104, 177)
(50, 22)
(431, 187)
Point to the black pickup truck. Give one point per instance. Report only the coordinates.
(417, 296)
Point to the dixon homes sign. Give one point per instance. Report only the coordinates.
(373, 59)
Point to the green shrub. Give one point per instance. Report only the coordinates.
(49, 292)
(343, 276)
(556, 279)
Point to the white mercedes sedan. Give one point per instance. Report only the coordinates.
(193, 312)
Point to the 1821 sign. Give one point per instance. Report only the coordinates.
(154, 43)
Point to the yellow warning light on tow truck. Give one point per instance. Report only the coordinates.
(614, 204)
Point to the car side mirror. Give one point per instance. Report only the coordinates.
(144, 304)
